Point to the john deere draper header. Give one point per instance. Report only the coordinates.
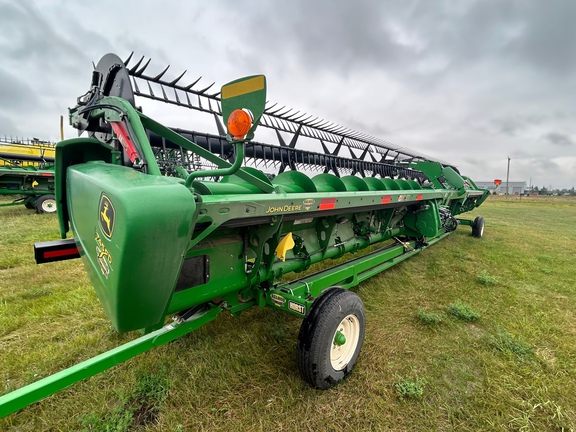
(183, 224)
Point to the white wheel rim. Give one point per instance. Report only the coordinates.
(340, 355)
(49, 206)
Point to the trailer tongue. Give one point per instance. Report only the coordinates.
(171, 222)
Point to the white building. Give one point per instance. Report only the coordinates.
(514, 187)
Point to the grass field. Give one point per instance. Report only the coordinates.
(470, 335)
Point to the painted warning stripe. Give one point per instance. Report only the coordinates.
(327, 203)
(246, 86)
(386, 199)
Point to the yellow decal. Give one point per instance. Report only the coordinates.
(34, 183)
(243, 87)
(278, 300)
(297, 307)
(308, 203)
(102, 255)
(106, 216)
(285, 208)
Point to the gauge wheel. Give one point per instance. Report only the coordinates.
(478, 227)
(46, 204)
(331, 337)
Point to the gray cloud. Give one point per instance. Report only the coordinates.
(33, 38)
(15, 94)
(514, 125)
(547, 37)
(337, 35)
(559, 139)
(8, 128)
(470, 82)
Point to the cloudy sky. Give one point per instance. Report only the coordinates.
(471, 82)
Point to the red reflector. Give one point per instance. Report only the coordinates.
(386, 199)
(327, 203)
(47, 174)
(419, 197)
(60, 253)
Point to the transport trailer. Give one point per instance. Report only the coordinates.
(176, 226)
(26, 152)
(30, 186)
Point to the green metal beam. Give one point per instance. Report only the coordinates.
(38, 390)
(346, 275)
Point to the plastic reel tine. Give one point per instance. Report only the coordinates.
(202, 91)
(173, 83)
(291, 116)
(143, 68)
(189, 86)
(267, 110)
(283, 115)
(160, 75)
(136, 66)
(128, 59)
(273, 113)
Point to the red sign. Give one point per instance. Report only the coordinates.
(497, 182)
(327, 203)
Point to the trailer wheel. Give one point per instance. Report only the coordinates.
(46, 204)
(330, 338)
(478, 227)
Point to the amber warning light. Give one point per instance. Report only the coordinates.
(239, 123)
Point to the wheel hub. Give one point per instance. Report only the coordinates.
(344, 342)
(339, 338)
(49, 206)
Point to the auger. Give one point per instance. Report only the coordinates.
(176, 226)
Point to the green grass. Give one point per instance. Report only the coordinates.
(508, 344)
(140, 407)
(462, 311)
(429, 318)
(409, 387)
(485, 278)
(512, 369)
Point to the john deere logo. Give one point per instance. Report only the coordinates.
(308, 202)
(278, 300)
(106, 216)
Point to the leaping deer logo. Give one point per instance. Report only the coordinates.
(106, 219)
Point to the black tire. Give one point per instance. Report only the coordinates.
(478, 227)
(322, 361)
(46, 204)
